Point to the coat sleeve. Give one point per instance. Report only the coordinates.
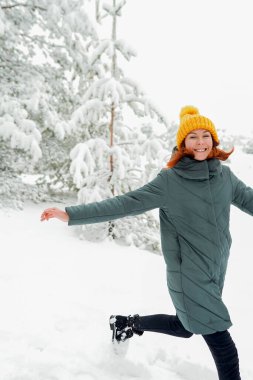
(242, 195)
(146, 198)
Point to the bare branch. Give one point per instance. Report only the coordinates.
(23, 5)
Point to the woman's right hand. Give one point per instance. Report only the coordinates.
(54, 212)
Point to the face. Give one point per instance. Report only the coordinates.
(200, 143)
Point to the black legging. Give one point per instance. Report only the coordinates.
(220, 343)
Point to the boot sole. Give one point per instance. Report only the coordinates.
(112, 321)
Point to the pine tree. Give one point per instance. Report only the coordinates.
(121, 150)
(43, 63)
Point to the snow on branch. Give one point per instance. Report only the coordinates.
(126, 50)
(114, 10)
(102, 48)
(152, 148)
(103, 90)
(71, 17)
(107, 91)
(149, 108)
(114, 90)
(154, 110)
(88, 113)
(86, 157)
(131, 86)
(80, 22)
(22, 134)
(18, 129)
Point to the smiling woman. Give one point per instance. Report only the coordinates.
(199, 142)
(194, 194)
(197, 138)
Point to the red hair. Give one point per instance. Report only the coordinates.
(178, 154)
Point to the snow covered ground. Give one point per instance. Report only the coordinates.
(57, 293)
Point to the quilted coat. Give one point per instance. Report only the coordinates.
(194, 199)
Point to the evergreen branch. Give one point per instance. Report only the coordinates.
(41, 40)
(103, 16)
(99, 17)
(23, 5)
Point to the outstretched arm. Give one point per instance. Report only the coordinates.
(146, 198)
(242, 195)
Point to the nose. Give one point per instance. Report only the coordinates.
(200, 141)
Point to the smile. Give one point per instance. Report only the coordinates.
(200, 150)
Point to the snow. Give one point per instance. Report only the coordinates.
(126, 50)
(57, 293)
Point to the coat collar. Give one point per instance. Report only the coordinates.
(193, 169)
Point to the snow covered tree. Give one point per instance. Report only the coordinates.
(43, 62)
(121, 149)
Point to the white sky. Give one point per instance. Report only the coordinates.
(194, 52)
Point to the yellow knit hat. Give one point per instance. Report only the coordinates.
(190, 119)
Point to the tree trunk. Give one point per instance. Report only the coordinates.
(113, 72)
(111, 124)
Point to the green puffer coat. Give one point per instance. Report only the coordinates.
(194, 200)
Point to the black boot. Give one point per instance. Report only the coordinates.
(123, 327)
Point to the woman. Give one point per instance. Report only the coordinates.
(194, 194)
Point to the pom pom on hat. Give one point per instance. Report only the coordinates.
(188, 110)
(190, 119)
